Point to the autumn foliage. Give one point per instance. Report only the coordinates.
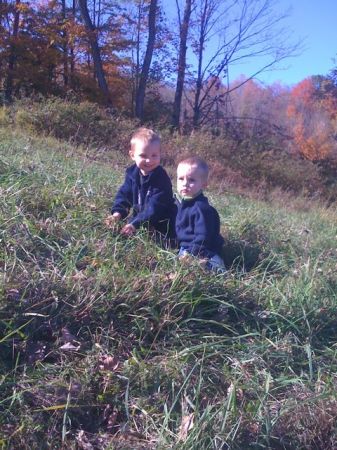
(313, 118)
(46, 50)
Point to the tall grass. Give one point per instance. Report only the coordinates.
(109, 342)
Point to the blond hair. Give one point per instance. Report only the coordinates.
(199, 163)
(144, 135)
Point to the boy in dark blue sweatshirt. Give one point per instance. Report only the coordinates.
(197, 222)
(147, 189)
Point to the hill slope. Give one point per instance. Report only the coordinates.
(111, 343)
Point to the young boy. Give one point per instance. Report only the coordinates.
(197, 222)
(147, 189)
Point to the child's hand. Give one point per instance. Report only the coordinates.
(203, 263)
(111, 220)
(128, 230)
(186, 258)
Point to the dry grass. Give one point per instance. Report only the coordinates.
(111, 343)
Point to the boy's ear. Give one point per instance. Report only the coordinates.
(205, 184)
(131, 154)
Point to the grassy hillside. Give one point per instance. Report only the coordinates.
(246, 163)
(109, 342)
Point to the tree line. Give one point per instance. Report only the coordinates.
(168, 62)
(101, 48)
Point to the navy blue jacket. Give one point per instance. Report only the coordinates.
(150, 197)
(198, 227)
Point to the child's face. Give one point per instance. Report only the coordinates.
(190, 180)
(146, 156)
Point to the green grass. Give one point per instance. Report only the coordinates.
(109, 342)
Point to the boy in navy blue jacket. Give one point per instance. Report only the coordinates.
(147, 189)
(197, 222)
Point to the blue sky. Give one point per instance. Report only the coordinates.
(316, 22)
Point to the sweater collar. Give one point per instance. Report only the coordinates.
(181, 199)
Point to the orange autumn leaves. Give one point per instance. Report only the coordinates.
(312, 110)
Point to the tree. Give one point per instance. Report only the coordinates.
(96, 55)
(29, 49)
(138, 26)
(45, 47)
(12, 53)
(244, 30)
(259, 113)
(65, 45)
(140, 94)
(183, 27)
(313, 118)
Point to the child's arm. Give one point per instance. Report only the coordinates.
(204, 230)
(123, 200)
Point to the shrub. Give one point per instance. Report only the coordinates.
(5, 118)
(82, 123)
(279, 170)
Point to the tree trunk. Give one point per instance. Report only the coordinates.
(1, 10)
(96, 55)
(65, 47)
(140, 96)
(198, 86)
(184, 26)
(135, 85)
(99, 14)
(12, 55)
(71, 53)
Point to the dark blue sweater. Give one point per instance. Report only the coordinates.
(150, 197)
(198, 227)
